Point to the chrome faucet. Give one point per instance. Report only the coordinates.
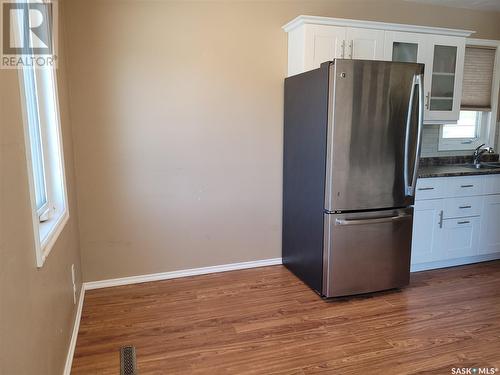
(478, 152)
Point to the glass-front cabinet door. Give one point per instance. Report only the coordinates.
(443, 57)
(404, 47)
(404, 52)
(440, 97)
(444, 85)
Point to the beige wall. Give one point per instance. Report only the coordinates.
(177, 114)
(36, 305)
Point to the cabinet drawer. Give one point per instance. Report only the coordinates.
(430, 188)
(462, 207)
(464, 186)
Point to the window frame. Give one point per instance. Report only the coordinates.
(489, 119)
(48, 225)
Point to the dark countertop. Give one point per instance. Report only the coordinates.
(453, 170)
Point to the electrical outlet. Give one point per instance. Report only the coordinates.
(74, 284)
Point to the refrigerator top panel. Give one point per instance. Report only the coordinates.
(371, 123)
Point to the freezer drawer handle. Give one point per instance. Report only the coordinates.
(373, 221)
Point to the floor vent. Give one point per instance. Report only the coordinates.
(127, 361)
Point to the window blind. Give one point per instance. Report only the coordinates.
(478, 78)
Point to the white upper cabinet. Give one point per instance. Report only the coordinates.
(311, 45)
(443, 83)
(405, 47)
(364, 44)
(323, 43)
(314, 40)
(443, 57)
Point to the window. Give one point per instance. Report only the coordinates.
(35, 138)
(476, 123)
(44, 156)
(468, 126)
(470, 131)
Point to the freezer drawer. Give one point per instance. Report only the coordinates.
(366, 252)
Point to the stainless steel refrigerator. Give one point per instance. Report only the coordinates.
(352, 131)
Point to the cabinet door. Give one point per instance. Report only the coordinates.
(364, 44)
(405, 47)
(459, 238)
(443, 79)
(491, 184)
(409, 47)
(426, 240)
(323, 43)
(490, 223)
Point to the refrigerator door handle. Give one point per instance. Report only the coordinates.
(419, 131)
(373, 220)
(410, 186)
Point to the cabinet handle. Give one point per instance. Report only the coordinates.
(351, 47)
(463, 222)
(426, 188)
(441, 214)
(466, 186)
(463, 207)
(427, 99)
(343, 48)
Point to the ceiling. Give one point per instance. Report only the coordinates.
(483, 5)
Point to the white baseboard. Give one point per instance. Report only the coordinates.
(453, 262)
(181, 273)
(259, 263)
(74, 334)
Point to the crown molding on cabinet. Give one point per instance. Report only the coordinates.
(315, 20)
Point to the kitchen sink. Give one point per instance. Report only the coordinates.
(489, 165)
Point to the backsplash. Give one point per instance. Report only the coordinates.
(430, 139)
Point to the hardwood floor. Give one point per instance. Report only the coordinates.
(265, 321)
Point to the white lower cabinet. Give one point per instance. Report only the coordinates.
(490, 228)
(458, 238)
(461, 226)
(427, 219)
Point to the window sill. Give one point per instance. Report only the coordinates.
(458, 144)
(48, 233)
